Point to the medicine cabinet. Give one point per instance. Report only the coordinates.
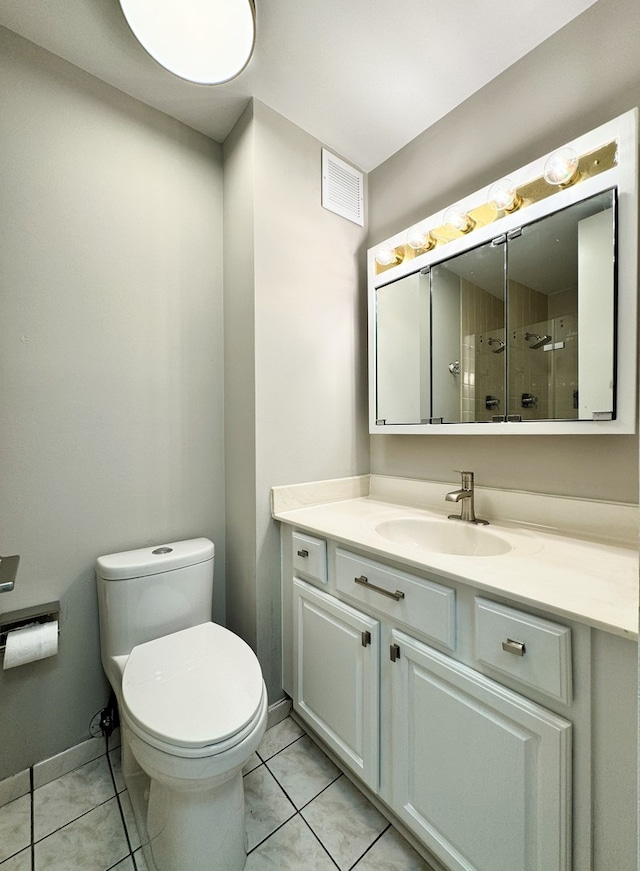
(522, 320)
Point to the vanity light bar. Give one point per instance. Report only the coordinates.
(590, 164)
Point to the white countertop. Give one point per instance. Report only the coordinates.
(591, 582)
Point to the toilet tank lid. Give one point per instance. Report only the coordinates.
(154, 560)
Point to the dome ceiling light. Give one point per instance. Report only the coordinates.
(207, 42)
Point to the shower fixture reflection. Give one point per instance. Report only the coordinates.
(539, 340)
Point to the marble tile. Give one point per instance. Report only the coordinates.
(291, 848)
(345, 821)
(57, 766)
(20, 862)
(302, 770)
(125, 865)
(253, 762)
(279, 737)
(129, 820)
(14, 787)
(115, 761)
(63, 800)
(392, 853)
(94, 842)
(141, 862)
(266, 805)
(15, 826)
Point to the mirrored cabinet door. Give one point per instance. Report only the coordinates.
(468, 336)
(561, 314)
(403, 358)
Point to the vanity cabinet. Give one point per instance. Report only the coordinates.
(477, 771)
(337, 680)
(480, 773)
(492, 760)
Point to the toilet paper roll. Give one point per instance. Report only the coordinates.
(37, 641)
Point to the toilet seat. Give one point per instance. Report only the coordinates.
(194, 692)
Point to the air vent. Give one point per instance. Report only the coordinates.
(342, 188)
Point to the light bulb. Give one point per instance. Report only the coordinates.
(387, 256)
(203, 41)
(459, 218)
(561, 168)
(420, 239)
(503, 196)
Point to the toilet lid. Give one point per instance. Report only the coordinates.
(192, 688)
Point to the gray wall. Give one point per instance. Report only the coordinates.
(111, 389)
(296, 372)
(586, 74)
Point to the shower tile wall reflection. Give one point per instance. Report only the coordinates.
(543, 353)
(483, 344)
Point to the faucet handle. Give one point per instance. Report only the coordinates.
(467, 478)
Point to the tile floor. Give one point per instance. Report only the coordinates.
(303, 814)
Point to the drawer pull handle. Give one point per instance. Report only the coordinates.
(303, 553)
(518, 648)
(365, 582)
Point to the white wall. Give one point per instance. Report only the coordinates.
(111, 389)
(308, 368)
(239, 410)
(586, 74)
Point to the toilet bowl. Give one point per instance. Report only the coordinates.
(193, 705)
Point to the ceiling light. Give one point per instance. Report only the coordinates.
(503, 196)
(420, 239)
(458, 218)
(561, 168)
(387, 256)
(203, 41)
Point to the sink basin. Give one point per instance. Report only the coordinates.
(443, 536)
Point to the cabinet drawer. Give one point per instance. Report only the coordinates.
(310, 557)
(536, 652)
(421, 604)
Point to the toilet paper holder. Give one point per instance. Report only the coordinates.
(25, 616)
(8, 570)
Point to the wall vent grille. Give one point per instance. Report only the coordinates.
(342, 188)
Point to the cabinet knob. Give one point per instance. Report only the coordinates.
(394, 652)
(518, 648)
(303, 553)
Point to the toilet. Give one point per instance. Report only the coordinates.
(192, 702)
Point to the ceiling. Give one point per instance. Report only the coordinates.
(363, 76)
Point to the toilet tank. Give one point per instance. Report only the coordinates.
(154, 591)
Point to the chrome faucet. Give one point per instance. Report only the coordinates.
(464, 495)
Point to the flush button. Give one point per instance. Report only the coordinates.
(160, 550)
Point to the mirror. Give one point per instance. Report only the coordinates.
(520, 328)
(561, 323)
(474, 389)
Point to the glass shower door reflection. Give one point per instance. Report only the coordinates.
(468, 336)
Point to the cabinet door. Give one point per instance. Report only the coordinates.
(336, 678)
(481, 774)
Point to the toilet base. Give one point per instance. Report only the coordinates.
(198, 830)
(195, 830)
(189, 812)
